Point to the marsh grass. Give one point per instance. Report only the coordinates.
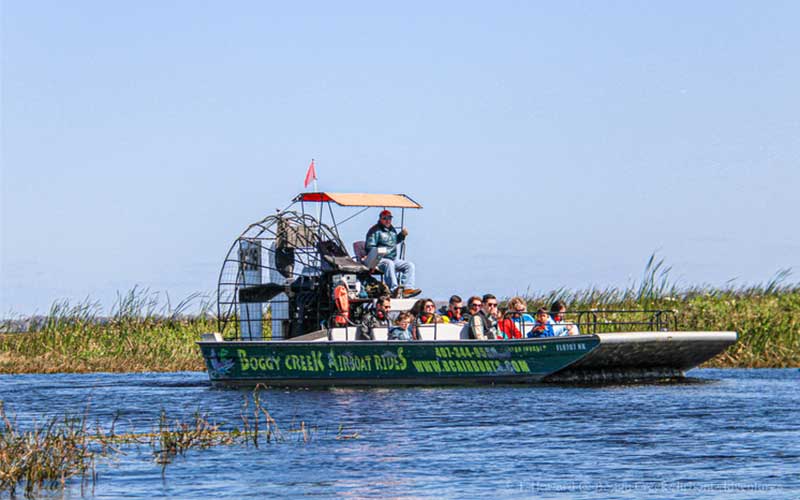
(141, 333)
(49, 456)
(766, 315)
(145, 331)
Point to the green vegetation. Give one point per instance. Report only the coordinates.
(140, 334)
(48, 456)
(766, 316)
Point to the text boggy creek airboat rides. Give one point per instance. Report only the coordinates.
(291, 301)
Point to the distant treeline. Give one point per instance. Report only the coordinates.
(141, 334)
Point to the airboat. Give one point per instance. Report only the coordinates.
(282, 320)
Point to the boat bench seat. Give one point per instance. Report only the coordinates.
(381, 333)
(427, 332)
(441, 331)
(344, 334)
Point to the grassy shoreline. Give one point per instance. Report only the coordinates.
(139, 336)
(766, 316)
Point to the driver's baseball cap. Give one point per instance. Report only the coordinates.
(385, 213)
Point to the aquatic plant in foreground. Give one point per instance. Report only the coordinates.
(49, 456)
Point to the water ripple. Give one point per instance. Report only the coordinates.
(724, 433)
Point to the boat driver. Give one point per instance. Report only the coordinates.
(383, 234)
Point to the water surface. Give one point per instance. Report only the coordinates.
(726, 434)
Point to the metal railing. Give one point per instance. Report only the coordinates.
(606, 320)
(594, 321)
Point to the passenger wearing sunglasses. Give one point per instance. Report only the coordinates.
(473, 307)
(377, 317)
(455, 311)
(428, 314)
(483, 325)
(383, 234)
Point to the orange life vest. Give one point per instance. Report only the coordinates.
(342, 302)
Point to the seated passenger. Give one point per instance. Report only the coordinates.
(376, 317)
(402, 328)
(506, 328)
(428, 314)
(416, 309)
(473, 307)
(384, 235)
(483, 324)
(557, 311)
(455, 311)
(517, 308)
(542, 326)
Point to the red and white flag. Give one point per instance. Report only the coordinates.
(311, 174)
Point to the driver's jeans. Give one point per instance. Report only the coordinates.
(391, 269)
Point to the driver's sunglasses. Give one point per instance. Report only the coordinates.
(386, 217)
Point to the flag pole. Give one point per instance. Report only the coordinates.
(316, 190)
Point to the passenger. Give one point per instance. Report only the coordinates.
(483, 324)
(402, 328)
(455, 310)
(473, 307)
(428, 314)
(506, 328)
(543, 327)
(416, 311)
(377, 317)
(517, 312)
(557, 312)
(384, 235)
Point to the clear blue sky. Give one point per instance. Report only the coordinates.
(552, 144)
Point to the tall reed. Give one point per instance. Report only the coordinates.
(141, 333)
(48, 455)
(766, 315)
(144, 332)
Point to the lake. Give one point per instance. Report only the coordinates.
(723, 433)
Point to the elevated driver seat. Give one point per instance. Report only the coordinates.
(370, 259)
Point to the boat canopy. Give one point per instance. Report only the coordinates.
(360, 199)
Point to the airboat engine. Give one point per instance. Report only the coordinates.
(271, 283)
(250, 268)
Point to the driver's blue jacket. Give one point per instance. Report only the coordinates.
(381, 236)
